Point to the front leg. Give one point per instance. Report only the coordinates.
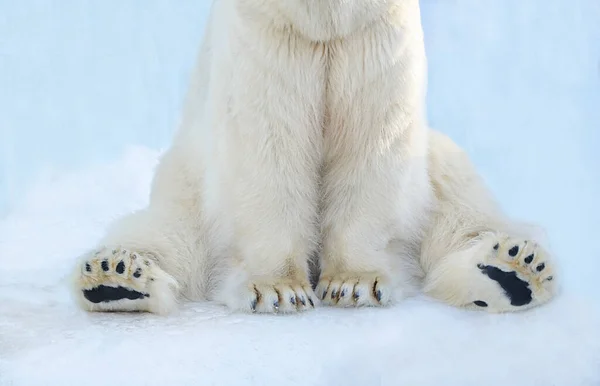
(375, 188)
(263, 182)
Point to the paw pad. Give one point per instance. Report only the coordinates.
(106, 277)
(521, 269)
(120, 267)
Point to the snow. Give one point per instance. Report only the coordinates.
(516, 83)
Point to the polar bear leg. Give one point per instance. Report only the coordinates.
(375, 184)
(272, 82)
(145, 257)
(472, 254)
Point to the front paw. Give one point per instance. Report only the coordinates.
(354, 289)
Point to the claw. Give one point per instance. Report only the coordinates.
(334, 294)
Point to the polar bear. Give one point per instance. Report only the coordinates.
(304, 133)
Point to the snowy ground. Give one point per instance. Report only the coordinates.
(516, 83)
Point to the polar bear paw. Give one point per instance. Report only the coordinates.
(124, 280)
(276, 295)
(352, 289)
(523, 272)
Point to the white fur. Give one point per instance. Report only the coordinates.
(304, 130)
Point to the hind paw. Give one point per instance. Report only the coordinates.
(523, 272)
(123, 280)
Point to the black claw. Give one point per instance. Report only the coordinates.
(312, 304)
(334, 294)
(540, 267)
(88, 267)
(120, 267)
(496, 246)
(480, 266)
(513, 251)
(549, 278)
(253, 305)
(303, 301)
(528, 259)
(480, 303)
(356, 295)
(104, 265)
(343, 293)
(137, 273)
(276, 304)
(293, 300)
(324, 294)
(378, 295)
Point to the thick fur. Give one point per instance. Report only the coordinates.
(304, 132)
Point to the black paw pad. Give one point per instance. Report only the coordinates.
(540, 267)
(516, 289)
(104, 265)
(120, 267)
(496, 247)
(513, 251)
(480, 303)
(137, 273)
(528, 259)
(105, 294)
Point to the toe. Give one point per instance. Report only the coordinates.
(346, 297)
(268, 299)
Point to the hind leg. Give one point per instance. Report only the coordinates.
(497, 273)
(147, 256)
(141, 264)
(471, 254)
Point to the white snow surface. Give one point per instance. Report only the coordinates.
(515, 82)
